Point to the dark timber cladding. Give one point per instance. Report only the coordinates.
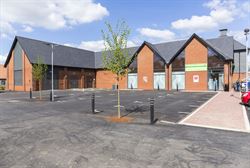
(190, 64)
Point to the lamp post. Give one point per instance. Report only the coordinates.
(52, 69)
(246, 33)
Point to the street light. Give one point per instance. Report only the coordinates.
(52, 69)
(246, 33)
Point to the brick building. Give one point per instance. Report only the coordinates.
(192, 64)
(3, 75)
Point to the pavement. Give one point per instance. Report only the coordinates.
(223, 111)
(41, 134)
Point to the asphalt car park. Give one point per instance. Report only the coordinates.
(66, 134)
(168, 106)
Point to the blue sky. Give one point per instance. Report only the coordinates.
(78, 23)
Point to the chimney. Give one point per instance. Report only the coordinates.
(223, 32)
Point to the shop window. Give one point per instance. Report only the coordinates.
(214, 60)
(159, 64)
(133, 66)
(18, 73)
(179, 62)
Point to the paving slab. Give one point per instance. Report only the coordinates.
(223, 111)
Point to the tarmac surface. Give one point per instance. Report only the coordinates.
(64, 133)
(168, 106)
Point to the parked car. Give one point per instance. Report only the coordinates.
(245, 98)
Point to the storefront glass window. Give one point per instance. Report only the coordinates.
(179, 62)
(159, 64)
(214, 61)
(133, 66)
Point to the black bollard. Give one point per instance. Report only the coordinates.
(152, 118)
(215, 88)
(30, 93)
(158, 87)
(177, 88)
(50, 96)
(93, 103)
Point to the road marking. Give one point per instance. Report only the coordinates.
(98, 96)
(61, 101)
(199, 101)
(182, 112)
(120, 106)
(138, 102)
(203, 105)
(13, 101)
(166, 122)
(81, 98)
(193, 105)
(246, 119)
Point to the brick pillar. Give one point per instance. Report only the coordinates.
(82, 79)
(65, 78)
(170, 77)
(227, 76)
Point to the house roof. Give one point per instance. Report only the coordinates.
(63, 55)
(75, 57)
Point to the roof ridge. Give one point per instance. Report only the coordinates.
(54, 43)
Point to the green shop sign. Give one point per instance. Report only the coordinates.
(196, 67)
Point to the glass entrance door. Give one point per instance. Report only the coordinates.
(132, 80)
(178, 79)
(216, 81)
(159, 80)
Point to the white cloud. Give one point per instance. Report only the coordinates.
(221, 12)
(2, 58)
(92, 45)
(163, 35)
(238, 35)
(6, 29)
(27, 29)
(49, 14)
(98, 45)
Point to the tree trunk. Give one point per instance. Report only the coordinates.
(40, 89)
(118, 98)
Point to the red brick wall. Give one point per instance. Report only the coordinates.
(196, 53)
(228, 77)
(27, 74)
(105, 79)
(3, 72)
(145, 69)
(10, 73)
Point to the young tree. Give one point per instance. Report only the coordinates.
(38, 71)
(115, 56)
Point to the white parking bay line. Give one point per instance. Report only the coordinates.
(120, 106)
(13, 101)
(138, 102)
(193, 105)
(199, 101)
(81, 98)
(183, 112)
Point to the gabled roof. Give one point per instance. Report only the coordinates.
(80, 58)
(63, 55)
